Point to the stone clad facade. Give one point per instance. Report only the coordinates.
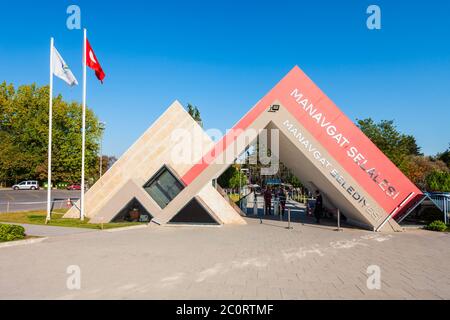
(153, 150)
(315, 140)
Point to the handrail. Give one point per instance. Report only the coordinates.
(441, 201)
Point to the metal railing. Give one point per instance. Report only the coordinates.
(275, 207)
(442, 201)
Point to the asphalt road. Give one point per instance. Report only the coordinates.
(27, 200)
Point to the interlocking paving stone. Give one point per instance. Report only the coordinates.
(247, 262)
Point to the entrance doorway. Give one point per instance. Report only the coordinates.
(292, 187)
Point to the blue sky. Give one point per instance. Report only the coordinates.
(224, 55)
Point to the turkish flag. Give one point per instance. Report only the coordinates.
(92, 62)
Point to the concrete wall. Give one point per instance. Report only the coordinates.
(159, 145)
(302, 162)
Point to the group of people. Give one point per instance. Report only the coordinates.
(279, 193)
(282, 196)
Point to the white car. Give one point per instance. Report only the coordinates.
(26, 185)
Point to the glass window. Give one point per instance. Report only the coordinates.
(193, 213)
(134, 211)
(163, 187)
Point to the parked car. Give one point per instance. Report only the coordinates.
(26, 185)
(74, 187)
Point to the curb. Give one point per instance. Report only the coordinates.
(188, 225)
(22, 242)
(126, 228)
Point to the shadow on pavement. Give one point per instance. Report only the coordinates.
(298, 215)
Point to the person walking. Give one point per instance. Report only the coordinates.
(318, 207)
(268, 201)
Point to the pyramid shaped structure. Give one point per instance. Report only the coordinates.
(151, 153)
(316, 140)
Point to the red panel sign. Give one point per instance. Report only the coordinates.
(359, 157)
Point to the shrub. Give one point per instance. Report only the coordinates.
(11, 232)
(437, 226)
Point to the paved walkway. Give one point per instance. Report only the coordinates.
(257, 261)
(51, 231)
(297, 211)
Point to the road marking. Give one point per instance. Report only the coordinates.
(21, 242)
(211, 272)
(173, 280)
(9, 196)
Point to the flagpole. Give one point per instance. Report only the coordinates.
(50, 120)
(83, 130)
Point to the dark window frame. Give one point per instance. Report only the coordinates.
(127, 205)
(153, 181)
(214, 220)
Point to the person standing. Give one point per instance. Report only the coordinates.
(318, 207)
(282, 197)
(268, 201)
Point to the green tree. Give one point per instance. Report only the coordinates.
(439, 181)
(428, 173)
(225, 178)
(395, 145)
(418, 168)
(24, 136)
(230, 178)
(190, 110)
(445, 157)
(107, 162)
(296, 183)
(195, 113)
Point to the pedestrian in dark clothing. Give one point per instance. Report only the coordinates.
(268, 201)
(318, 207)
(282, 197)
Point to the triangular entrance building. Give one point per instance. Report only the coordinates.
(316, 140)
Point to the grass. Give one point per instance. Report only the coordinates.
(38, 218)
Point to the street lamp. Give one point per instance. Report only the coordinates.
(240, 180)
(240, 185)
(102, 127)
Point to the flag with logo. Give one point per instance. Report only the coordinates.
(61, 69)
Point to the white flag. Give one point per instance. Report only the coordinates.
(61, 69)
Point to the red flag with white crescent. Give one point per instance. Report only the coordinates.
(92, 62)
